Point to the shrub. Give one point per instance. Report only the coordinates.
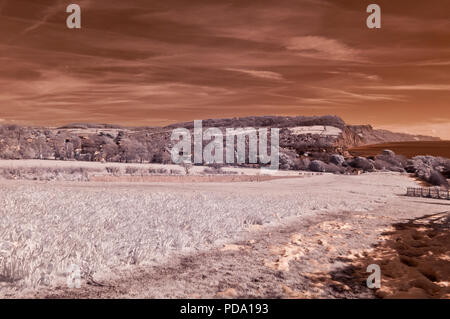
(317, 166)
(131, 170)
(362, 163)
(388, 153)
(380, 164)
(112, 170)
(46, 173)
(337, 159)
(212, 170)
(437, 179)
(161, 171)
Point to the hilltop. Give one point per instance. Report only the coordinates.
(113, 143)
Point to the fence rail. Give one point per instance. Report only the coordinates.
(430, 192)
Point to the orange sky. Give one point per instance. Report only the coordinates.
(148, 62)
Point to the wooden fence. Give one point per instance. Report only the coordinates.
(430, 192)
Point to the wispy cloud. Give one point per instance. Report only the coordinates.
(413, 87)
(260, 74)
(137, 61)
(318, 47)
(421, 128)
(50, 11)
(434, 63)
(46, 14)
(358, 75)
(352, 96)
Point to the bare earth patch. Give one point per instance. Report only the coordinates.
(414, 258)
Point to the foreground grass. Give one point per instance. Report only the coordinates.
(46, 227)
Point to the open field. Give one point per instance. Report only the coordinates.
(324, 255)
(52, 170)
(408, 149)
(114, 231)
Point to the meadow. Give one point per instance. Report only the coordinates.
(47, 226)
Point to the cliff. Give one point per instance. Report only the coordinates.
(103, 142)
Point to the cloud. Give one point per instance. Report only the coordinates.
(136, 60)
(358, 75)
(413, 87)
(47, 14)
(50, 11)
(260, 74)
(322, 48)
(434, 63)
(426, 128)
(343, 95)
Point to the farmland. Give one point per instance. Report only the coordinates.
(107, 227)
(408, 149)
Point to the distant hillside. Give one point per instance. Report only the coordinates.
(268, 121)
(299, 135)
(370, 136)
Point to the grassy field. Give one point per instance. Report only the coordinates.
(408, 149)
(45, 227)
(53, 170)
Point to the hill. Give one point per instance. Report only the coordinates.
(299, 135)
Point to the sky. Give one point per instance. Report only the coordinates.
(150, 63)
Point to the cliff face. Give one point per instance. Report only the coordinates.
(349, 138)
(95, 142)
(357, 135)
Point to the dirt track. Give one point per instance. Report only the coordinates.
(321, 256)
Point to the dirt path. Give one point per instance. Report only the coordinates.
(320, 256)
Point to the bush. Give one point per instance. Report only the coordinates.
(437, 179)
(131, 170)
(112, 170)
(337, 159)
(161, 171)
(47, 173)
(380, 164)
(393, 160)
(388, 153)
(212, 171)
(333, 168)
(317, 166)
(362, 163)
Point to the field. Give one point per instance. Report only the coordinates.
(408, 149)
(169, 239)
(51, 170)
